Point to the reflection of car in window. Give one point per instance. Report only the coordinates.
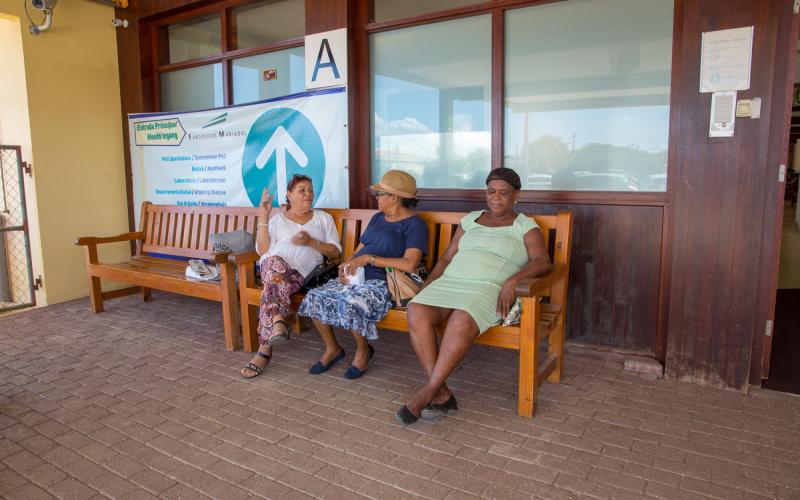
(606, 181)
(539, 181)
(655, 182)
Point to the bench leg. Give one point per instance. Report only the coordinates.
(228, 290)
(297, 323)
(247, 314)
(249, 326)
(555, 343)
(95, 294)
(146, 296)
(528, 358)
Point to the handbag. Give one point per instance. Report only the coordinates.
(232, 241)
(404, 286)
(320, 275)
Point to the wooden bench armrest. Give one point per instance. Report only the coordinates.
(92, 240)
(530, 287)
(221, 257)
(241, 258)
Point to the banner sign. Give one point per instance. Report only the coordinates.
(227, 156)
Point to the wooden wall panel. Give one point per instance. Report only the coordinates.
(720, 189)
(614, 274)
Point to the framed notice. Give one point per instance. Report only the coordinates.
(725, 60)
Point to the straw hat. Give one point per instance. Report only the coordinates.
(398, 183)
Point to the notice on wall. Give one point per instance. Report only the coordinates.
(723, 114)
(227, 156)
(725, 59)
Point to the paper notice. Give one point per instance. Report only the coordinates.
(723, 114)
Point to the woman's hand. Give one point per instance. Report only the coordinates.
(265, 207)
(507, 297)
(351, 266)
(303, 239)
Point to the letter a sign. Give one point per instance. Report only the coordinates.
(326, 59)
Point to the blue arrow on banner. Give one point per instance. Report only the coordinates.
(282, 142)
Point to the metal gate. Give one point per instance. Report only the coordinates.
(16, 274)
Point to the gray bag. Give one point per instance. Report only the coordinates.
(232, 241)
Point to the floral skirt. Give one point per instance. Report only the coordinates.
(354, 307)
(280, 282)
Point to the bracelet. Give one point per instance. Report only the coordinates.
(372, 259)
(316, 244)
(263, 224)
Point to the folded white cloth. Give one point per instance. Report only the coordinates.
(355, 279)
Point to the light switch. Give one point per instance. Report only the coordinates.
(744, 108)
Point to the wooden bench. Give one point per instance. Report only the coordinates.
(540, 320)
(179, 231)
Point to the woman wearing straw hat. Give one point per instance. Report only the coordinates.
(395, 237)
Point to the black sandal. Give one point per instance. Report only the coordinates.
(279, 338)
(254, 367)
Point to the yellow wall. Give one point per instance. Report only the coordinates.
(72, 81)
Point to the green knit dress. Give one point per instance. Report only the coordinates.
(486, 258)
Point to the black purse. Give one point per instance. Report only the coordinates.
(320, 275)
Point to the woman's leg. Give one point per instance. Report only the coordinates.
(456, 342)
(361, 358)
(332, 346)
(280, 282)
(422, 322)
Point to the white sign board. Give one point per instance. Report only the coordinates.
(227, 156)
(725, 60)
(326, 59)
(723, 114)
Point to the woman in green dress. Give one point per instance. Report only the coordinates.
(472, 287)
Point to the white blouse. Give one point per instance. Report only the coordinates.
(301, 258)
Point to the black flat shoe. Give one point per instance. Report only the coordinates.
(435, 411)
(404, 416)
(319, 368)
(353, 372)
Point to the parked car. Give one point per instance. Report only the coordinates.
(539, 181)
(606, 181)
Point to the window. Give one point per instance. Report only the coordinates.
(587, 86)
(262, 24)
(261, 58)
(193, 88)
(193, 39)
(250, 84)
(431, 111)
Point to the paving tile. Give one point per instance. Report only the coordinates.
(70, 489)
(30, 492)
(129, 415)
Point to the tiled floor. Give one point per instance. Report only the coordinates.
(143, 401)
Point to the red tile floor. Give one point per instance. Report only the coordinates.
(143, 401)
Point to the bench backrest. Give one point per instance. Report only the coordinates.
(185, 230)
(441, 228)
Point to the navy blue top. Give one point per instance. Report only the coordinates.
(391, 239)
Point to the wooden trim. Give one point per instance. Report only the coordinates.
(360, 122)
(498, 91)
(780, 116)
(233, 54)
(660, 347)
(455, 13)
(646, 199)
(672, 155)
